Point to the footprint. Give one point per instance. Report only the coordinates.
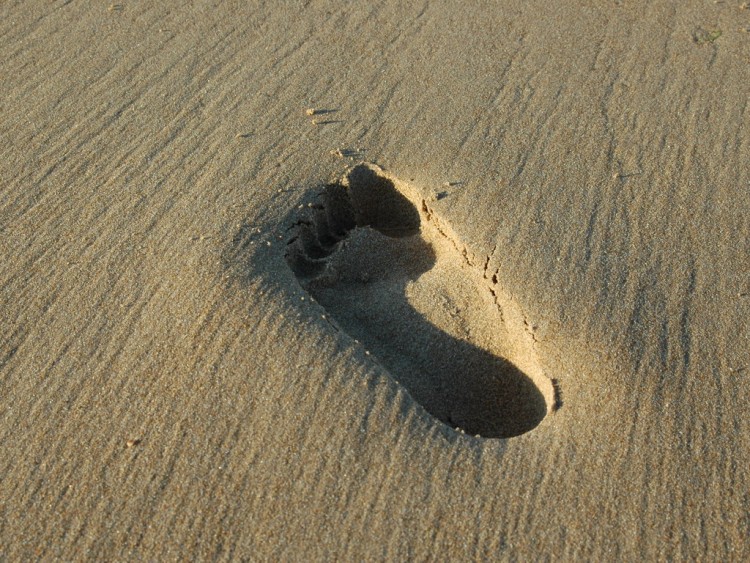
(394, 277)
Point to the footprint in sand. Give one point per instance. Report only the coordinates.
(394, 277)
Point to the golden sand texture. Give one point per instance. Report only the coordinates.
(172, 388)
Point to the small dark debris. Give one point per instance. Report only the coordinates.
(702, 36)
(558, 395)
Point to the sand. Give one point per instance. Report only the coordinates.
(559, 264)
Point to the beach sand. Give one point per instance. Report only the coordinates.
(375, 281)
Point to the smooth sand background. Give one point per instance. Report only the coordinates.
(602, 154)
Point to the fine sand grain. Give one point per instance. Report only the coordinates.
(364, 281)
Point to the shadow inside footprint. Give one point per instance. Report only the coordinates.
(360, 253)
